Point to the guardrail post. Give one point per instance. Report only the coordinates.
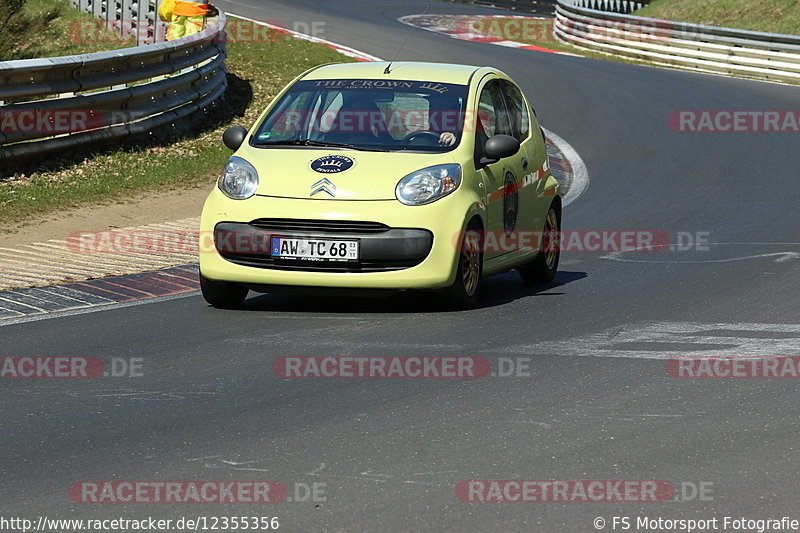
(127, 19)
(111, 14)
(141, 22)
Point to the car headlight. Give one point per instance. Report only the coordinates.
(429, 184)
(239, 179)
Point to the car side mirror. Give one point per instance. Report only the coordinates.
(499, 147)
(234, 137)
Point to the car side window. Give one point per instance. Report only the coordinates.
(518, 111)
(492, 117)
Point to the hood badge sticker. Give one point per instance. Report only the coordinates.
(332, 164)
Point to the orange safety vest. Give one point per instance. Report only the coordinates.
(190, 9)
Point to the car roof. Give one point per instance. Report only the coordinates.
(400, 70)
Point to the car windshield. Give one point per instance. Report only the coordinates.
(379, 115)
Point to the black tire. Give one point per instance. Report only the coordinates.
(465, 291)
(222, 294)
(543, 268)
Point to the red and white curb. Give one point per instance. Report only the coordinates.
(562, 154)
(344, 50)
(454, 26)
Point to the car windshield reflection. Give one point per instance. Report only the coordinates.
(374, 115)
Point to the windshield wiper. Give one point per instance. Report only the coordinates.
(310, 142)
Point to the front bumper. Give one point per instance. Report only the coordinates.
(401, 247)
(381, 249)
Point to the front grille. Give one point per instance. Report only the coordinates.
(265, 261)
(292, 225)
(381, 248)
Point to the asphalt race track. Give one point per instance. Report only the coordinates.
(597, 403)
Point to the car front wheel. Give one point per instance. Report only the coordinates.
(465, 290)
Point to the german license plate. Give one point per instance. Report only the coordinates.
(314, 249)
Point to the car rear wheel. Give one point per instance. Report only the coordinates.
(465, 290)
(543, 268)
(222, 294)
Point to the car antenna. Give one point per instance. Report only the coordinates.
(389, 66)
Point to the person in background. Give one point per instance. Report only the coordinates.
(187, 18)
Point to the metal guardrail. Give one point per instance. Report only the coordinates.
(61, 103)
(548, 7)
(137, 18)
(693, 46)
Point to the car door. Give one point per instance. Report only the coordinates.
(500, 179)
(532, 157)
(523, 166)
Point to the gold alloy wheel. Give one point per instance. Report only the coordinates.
(470, 262)
(551, 237)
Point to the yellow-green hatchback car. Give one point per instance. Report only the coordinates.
(383, 176)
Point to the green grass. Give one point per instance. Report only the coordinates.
(257, 72)
(47, 28)
(773, 16)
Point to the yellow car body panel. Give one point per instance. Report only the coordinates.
(366, 192)
(428, 72)
(350, 185)
(436, 270)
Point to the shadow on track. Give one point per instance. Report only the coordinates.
(497, 290)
